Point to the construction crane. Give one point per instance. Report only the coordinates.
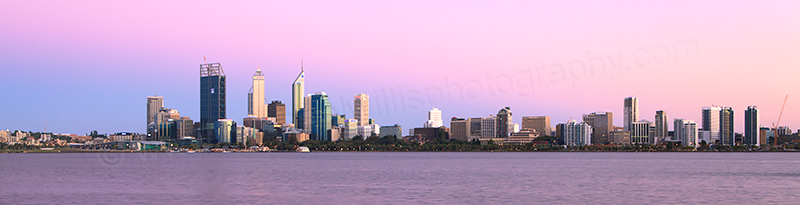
(775, 125)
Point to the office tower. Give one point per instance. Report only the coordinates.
(164, 126)
(350, 129)
(361, 107)
(212, 99)
(690, 133)
(277, 110)
(185, 126)
(154, 104)
(474, 128)
(726, 134)
(225, 131)
(631, 112)
(434, 118)
(602, 124)
(619, 136)
(640, 132)
(751, 126)
(504, 121)
(364, 131)
(711, 123)
(298, 95)
(576, 134)
(458, 129)
(489, 127)
(394, 130)
(662, 125)
(256, 103)
(539, 123)
(319, 113)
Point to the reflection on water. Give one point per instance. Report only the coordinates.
(398, 178)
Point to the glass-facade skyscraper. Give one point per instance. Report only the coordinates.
(320, 113)
(298, 94)
(751, 126)
(212, 99)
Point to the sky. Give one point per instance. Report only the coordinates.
(79, 66)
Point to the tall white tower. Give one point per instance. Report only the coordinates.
(434, 118)
(361, 111)
(256, 103)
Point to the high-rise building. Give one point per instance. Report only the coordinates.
(458, 129)
(350, 129)
(726, 134)
(686, 131)
(539, 123)
(602, 124)
(711, 123)
(298, 95)
(361, 109)
(434, 118)
(489, 127)
(662, 125)
(575, 133)
(504, 121)
(277, 110)
(319, 113)
(212, 99)
(225, 130)
(474, 128)
(154, 104)
(640, 132)
(752, 124)
(256, 103)
(185, 126)
(631, 112)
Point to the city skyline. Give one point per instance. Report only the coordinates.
(77, 76)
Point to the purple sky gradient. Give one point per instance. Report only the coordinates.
(86, 65)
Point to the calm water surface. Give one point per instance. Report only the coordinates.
(401, 178)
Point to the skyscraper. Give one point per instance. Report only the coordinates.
(458, 129)
(361, 105)
(711, 122)
(154, 104)
(504, 121)
(662, 126)
(726, 134)
(256, 105)
(751, 126)
(576, 133)
(434, 118)
(298, 94)
(319, 112)
(640, 132)
(602, 124)
(277, 110)
(631, 112)
(212, 99)
(539, 123)
(489, 127)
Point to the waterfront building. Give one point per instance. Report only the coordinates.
(576, 134)
(298, 96)
(434, 118)
(351, 129)
(686, 132)
(361, 109)
(662, 125)
(751, 126)
(618, 136)
(394, 130)
(726, 133)
(474, 128)
(185, 127)
(225, 130)
(212, 99)
(458, 129)
(489, 127)
(631, 112)
(640, 132)
(319, 116)
(766, 135)
(711, 123)
(256, 102)
(539, 123)
(602, 123)
(431, 133)
(364, 131)
(784, 130)
(521, 137)
(154, 104)
(504, 122)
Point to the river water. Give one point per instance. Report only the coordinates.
(401, 178)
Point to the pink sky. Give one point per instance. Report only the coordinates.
(86, 65)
